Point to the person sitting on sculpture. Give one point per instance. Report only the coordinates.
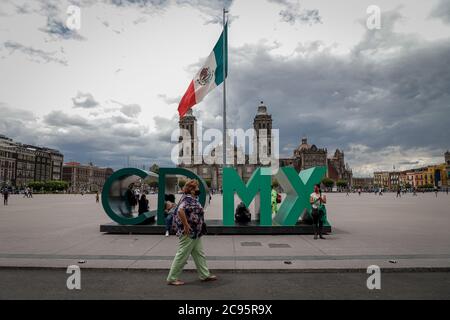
(169, 210)
(242, 214)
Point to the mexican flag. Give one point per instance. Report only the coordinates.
(208, 77)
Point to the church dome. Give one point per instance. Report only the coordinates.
(304, 145)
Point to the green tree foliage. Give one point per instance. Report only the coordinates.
(342, 184)
(49, 186)
(154, 168)
(327, 182)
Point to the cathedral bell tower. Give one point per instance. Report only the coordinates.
(262, 124)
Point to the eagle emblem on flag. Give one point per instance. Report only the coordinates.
(205, 76)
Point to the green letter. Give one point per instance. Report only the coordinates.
(298, 188)
(232, 184)
(163, 172)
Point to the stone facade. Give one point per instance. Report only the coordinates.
(363, 183)
(447, 163)
(22, 163)
(304, 157)
(87, 178)
(308, 156)
(338, 169)
(191, 158)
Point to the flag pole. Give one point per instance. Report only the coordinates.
(225, 36)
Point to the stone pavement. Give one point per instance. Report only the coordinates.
(60, 230)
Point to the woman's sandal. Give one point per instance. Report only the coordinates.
(175, 283)
(210, 278)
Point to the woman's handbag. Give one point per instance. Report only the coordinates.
(204, 228)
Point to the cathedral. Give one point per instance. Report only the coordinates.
(304, 156)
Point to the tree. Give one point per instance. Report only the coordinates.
(208, 182)
(342, 184)
(328, 183)
(154, 168)
(36, 185)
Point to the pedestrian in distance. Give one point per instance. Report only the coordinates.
(5, 196)
(97, 197)
(190, 225)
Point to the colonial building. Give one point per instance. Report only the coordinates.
(447, 163)
(210, 170)
(27, 163)
(363, 183)
(25, 159)
(338, 169)
(381, 179)
(88, 178)
(7, 162)
(305, 156)
(309, 155)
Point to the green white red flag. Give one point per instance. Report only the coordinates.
(208, 77)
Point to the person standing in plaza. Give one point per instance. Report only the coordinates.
(97, 197)
(317, 201)
(143, 205)
(398, 192)
(189, 221)
(5, 196)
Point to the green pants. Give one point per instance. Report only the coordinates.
(186, 248)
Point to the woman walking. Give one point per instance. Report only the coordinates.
(189, 221)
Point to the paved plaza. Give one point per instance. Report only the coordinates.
(60, 230)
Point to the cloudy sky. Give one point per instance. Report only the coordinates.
(111, 89)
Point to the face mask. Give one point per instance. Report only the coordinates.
(197, 192)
